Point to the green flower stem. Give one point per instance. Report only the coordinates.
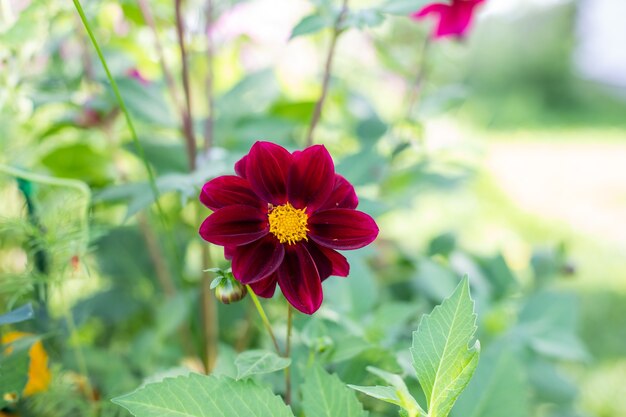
(264, 318)
(288, 355)
(133, 133)
(319, 106)
(122, 104)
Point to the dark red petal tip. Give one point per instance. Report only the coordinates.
(266, 287)
(342, 196)
(234, 225)
(228, 190)
(311, 178)
(267, 169)
(299, 279)
(257, 260)
(240, 166)
(328, 261)
(342, 229)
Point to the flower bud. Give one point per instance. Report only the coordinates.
(229, 290)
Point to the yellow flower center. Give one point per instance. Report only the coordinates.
(288, 223)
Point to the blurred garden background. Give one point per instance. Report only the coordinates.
(501, 155)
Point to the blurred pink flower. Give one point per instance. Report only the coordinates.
(454, 19)
(135, 74)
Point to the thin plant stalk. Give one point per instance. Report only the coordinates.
(210, 323)
(187, 120)
(264, 319)
(129, 122)
(319, 105)
(209, 304)
(415, 89)
(169, 78)
(210, 120)
(288, 354)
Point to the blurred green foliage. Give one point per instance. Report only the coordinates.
(98, 264)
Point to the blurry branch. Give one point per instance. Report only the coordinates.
(208, 124)
(210, 322)
(187, 120)
(154, 251)
(169, 78)
(414, 92)
(317, 112)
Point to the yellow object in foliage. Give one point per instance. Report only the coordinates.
(38, 373)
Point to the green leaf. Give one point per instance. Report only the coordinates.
(364, 18)
(324, 395)
(254, 362)
(498, 389)
(403, 7)
(311, 24)
(18, 315)
(80, 161)
(442, 360)
(397, 393)
(548, 323)
(145, 102)
(203, 396)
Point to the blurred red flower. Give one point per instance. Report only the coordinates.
(454, 19)
(281, 220)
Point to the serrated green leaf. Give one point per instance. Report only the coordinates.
(324, 395)
(442, 360)
(18, 315)
(499, 388)
(254, 362)
(204, 396)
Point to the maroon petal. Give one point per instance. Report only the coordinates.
(328, 261)
(299, 280)
(266, 287)
(311, 178)
(229, 252)
(342, 228)
(256, 260)
(228, 190)
(266, 168)
(342, 196)
(240, 166)
(234, 226)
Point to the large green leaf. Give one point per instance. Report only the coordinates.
(324, 395)
(499, 388)
(441, 357)
(204, 396)
(254, 362)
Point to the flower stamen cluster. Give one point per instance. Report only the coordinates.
(288, 223)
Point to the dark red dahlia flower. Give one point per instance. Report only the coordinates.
(453, 19)
(281, 220)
